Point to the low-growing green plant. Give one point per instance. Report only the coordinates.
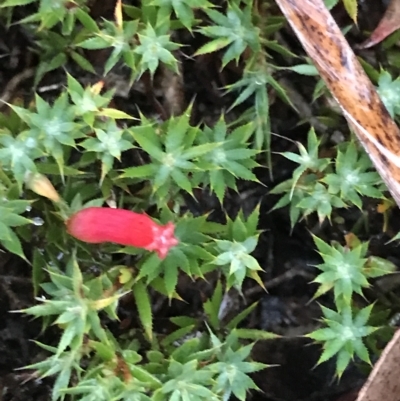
(346, 269)
(183, 157)
(50, 13)
(11, 211)
(318, 187)
(343, 336)
(234, 250)
(195, 367)
(388, 90)
(77, 149)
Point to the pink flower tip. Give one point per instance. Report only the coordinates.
(164, 239)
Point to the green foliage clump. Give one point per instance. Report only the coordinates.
(318, 187)
(78, 149)
(200, 367)
(388, 90)
(343, 336)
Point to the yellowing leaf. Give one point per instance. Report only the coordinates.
(118, 14)
(103, 303)
(351, 8)
(114, 113)
(125, 275)
(41, 185)
(352, 241)
(96, 88)
(254, 275)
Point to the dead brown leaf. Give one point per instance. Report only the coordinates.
(389, 23)
(383, 383)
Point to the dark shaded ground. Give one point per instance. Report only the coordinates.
(286, 257)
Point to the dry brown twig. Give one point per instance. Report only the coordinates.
(13, 84)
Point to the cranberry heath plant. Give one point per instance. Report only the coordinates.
(111, 187)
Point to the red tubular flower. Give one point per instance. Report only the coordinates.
(124, 227)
